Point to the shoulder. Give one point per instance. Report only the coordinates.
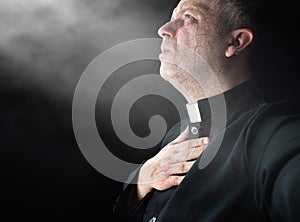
(273, 156)
(273, 138)
(275, 122)
(279, 115)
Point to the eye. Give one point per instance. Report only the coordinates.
(189, 17)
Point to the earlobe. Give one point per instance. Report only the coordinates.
(230, 51)
(240, 39)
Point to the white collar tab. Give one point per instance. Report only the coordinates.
(193, 112)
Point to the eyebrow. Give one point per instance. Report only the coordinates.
(200, 6)
(203, 9)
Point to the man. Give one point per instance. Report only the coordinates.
(246, 164)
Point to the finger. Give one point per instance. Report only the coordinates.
(204, 140)
(198, 142)
(184, 155)
(195, 152)
(175, 168)
(161, 169)
(183, 136)
(173, 180)
(192, 143)
(180, 168)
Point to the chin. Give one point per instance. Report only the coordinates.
(167, 71)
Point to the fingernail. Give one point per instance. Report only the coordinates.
(205, 141)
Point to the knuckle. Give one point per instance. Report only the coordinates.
(165, 149)
(175, 158)
(183, 168)
(176, 147)
(189, 143)
(181, 145)
(200, 142)
(171, 148)
(175, 180)
(166, 159)
(196, 142)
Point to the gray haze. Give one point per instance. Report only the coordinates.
(49, 43)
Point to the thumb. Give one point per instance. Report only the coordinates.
(182, 137)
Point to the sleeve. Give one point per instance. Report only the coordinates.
(285, 193)
(127, 205)
(285, 202)
(275, 166)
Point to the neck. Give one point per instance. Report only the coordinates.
(195, 93)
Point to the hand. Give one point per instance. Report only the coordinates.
(168, 167)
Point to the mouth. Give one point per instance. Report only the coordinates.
(164, 49)
(167, 46)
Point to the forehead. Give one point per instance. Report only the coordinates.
(202, 5)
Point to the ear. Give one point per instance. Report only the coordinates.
(239, 40)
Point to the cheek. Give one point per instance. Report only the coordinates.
(187, 37)
(198, 39)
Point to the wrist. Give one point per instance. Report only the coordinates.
(142, 190)
(143, 186)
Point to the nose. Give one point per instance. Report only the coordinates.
(167, 30)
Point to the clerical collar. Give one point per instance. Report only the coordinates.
(193, 112)
(239, 98)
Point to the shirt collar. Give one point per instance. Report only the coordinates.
(238, 99)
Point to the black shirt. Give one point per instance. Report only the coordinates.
(253, 172)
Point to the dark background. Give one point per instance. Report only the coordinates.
(44, 48)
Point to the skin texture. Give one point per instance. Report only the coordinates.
(167, 168)
(194, 24)
(193, 28)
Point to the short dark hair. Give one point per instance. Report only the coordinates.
(237, 14)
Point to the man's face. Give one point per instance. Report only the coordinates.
(192, 26)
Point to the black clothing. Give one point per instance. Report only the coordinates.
(254, 176)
